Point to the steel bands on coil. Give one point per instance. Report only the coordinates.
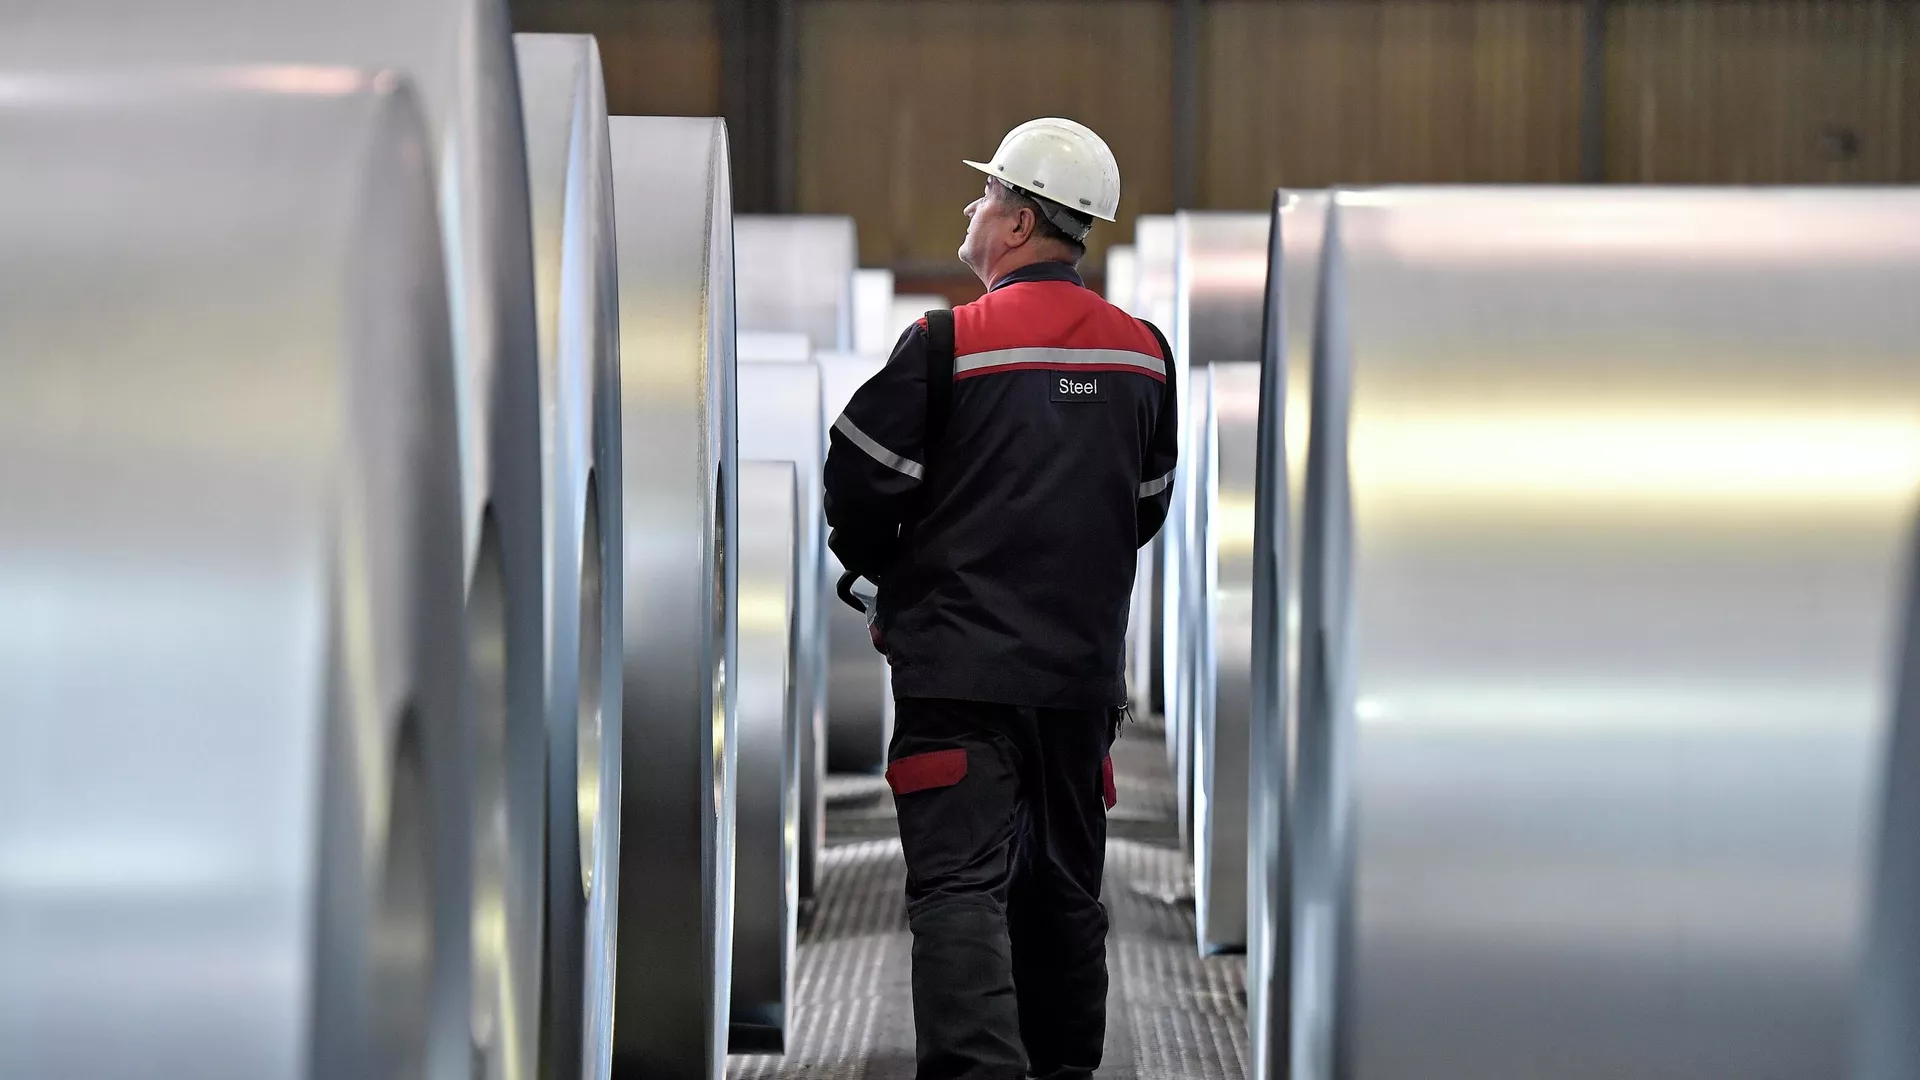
(1609, 510)
(673, 204)
(563, 101)
(769, 806)
(235, 765)
(459, 56)
(859, 686)
(782, 419)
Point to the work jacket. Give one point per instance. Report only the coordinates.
(1004, 554)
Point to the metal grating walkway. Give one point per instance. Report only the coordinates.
(1171, 1015)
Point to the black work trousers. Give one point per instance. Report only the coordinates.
(1003, 821)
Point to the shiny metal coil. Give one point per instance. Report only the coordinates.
(1153, 245)
(766, 877)
(873, 328)
(796, 276)
(459, 56)
(672, 202)
(1286, 353)
(859, 687)
(782, 419)
(564, 104)
(1889, 990)
(235, 756)
(1609, 511)
(1222, 302)
(1122, 290)
(907, 308)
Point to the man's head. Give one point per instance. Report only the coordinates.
(1008, 228)
(1046, 184)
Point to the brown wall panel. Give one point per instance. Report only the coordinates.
(1763, 91)
(893, 93)
(1315, 92)
(662, 57)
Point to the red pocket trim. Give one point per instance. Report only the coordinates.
(1107, 790)
(920, 772)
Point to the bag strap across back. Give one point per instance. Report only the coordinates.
(939, 376)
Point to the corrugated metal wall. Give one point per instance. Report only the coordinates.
(891, 93)
(1315, 92)
(1763, 91)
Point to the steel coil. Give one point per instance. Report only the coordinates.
(235, 760)
(1222, 301)
(1609, 504)
(459, 54)
(907, 309)
(1153, 244)
(673, 206)
(859, 686)
(1286, 351)
(1889, 1046)
(873, 328)
(1122, 291)
(767, 879)
(563, 100)
(796, 276)
(782, 419)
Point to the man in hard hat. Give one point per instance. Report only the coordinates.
(995, 481)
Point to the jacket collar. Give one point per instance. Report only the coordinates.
(1040, 271)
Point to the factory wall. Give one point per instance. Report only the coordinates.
(890, 93)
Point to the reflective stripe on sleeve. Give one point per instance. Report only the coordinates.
(1154, 487)
(875, 451)
(987, 363)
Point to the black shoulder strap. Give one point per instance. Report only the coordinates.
(1166, 350)
(939, 376)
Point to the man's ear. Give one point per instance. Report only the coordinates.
(1025, 224)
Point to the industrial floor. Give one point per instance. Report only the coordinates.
(1171, 1015)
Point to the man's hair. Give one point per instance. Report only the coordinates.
(1044, 213)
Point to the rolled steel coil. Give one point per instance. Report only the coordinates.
(1222, 299)
(235, 756)
(1153, 244)
(782, 419)
(873, 328)
(564, 103)
(1122, 290)
(1889, 992)
(796, 275)
(767, 876)
(459, 55)
(673, 214)
(1286, 352)
(1610, 496)
(859, 686)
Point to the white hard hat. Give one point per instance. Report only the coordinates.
(1062, 161)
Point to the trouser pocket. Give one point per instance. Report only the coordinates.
(927, 771)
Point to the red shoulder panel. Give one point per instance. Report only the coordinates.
(1047, 314)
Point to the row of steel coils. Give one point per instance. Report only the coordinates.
(1535, 632)
(409, 607)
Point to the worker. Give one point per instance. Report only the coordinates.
(993, 482)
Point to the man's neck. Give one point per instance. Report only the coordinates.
(1017, 259)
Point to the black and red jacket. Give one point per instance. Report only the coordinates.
(1005, 553)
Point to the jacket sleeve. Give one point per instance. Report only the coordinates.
(1163, 453)
(875, 459)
